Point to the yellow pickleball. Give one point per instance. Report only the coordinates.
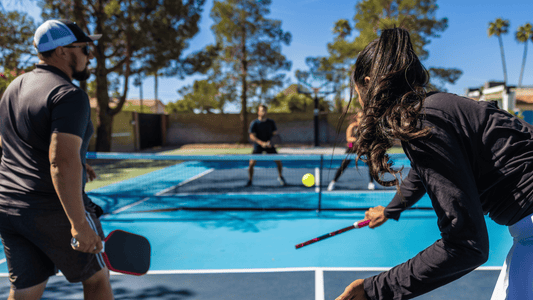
(308, 180)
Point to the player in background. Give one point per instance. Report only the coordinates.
(261, 132)
(351, 132)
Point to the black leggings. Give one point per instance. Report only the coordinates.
(344, 165)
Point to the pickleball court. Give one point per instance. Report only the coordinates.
(212, 238)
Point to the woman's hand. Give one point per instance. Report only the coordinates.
(376, 216)
(355, 291)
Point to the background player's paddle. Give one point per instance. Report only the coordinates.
(275, 140)
(358, 224)
(125, 252)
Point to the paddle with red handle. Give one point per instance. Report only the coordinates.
(125, 252)
(358, 224)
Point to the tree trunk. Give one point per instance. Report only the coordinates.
(104, 130)
(156, 84)
(503, 61)
(105, 113)
(523, 64)
(79, 18)
(244, 112)
(104, 117)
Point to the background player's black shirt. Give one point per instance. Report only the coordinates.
(263, 129)
(35, 105)
(478, 160)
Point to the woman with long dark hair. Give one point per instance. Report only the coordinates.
(470, 157)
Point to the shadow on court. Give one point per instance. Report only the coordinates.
(124, 287)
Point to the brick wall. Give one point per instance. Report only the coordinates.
(294, 128)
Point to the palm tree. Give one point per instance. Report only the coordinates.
(497, 28)
(523, 35)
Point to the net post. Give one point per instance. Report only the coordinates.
(319, 184)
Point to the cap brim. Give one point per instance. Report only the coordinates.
(95, 37)
(88, 38)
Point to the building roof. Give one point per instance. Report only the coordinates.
(524, 95)
(525, 99)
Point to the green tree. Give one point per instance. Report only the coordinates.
(248, 39)
(137, 35)
(265, 71)
(16, 48)
(441, 76)
(372, 16)
(497, 28)
(202, 95)
(523, 35)
(289, 101)
(180, 106)
(219, 88)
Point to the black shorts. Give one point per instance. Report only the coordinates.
(37, 245)
(258, 150)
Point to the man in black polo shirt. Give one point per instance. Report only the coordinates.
(261, 131)
(45, 128)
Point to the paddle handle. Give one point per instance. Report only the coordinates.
(361, 224)
(74, 243)
(358, 224)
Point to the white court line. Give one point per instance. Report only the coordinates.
(195, 177)
(161, 192)
(319, 284)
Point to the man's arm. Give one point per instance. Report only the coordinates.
(254, 139)
(66, 170)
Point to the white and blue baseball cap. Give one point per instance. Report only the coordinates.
(55, 33)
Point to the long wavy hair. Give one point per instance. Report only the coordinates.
(392, 86)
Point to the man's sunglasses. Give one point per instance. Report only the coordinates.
(86, 49)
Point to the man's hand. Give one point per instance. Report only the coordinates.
(354, 291)
(376, 216)
(91, 174)
(88, 241)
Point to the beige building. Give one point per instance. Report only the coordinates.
(510, 98)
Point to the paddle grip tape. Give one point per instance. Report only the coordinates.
(361, 224)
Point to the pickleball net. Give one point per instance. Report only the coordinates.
(152, 183)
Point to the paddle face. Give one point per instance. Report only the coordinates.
(275, 140)
(127, 253)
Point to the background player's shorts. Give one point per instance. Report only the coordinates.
(258, 150)
(37, 244)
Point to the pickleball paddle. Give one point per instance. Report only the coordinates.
(125, 252)
(358, 224)
(275, 140)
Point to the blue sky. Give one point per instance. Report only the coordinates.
(464, 45)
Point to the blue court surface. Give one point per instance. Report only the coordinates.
(250, 253)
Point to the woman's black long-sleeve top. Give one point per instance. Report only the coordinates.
(477, 160)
